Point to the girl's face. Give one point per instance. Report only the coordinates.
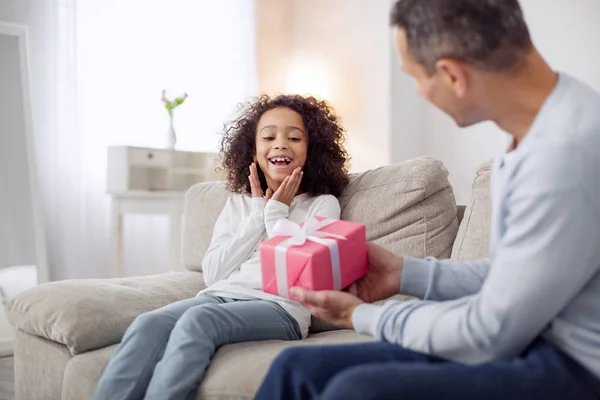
(281, 144)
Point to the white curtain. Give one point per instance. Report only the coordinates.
(114, 58)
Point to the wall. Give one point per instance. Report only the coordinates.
(342, 46)
(274, 22)
(566, 33)
(408, 111)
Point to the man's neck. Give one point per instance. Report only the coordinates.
(520, 96)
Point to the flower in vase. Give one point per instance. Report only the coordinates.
(171, 105)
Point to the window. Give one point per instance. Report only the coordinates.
(129, 50)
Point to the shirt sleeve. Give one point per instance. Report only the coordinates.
(233, 241)
(324, 206)
(548, 253)
(440, 280)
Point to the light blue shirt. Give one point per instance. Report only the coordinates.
(542, 276)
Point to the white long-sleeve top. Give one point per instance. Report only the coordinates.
(231, 265)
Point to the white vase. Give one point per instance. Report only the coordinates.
(171, 135)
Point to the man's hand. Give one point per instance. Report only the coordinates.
(383, 279)
(332, 306)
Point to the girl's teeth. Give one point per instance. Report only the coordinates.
(279, 159)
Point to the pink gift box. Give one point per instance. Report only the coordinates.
(331, 258)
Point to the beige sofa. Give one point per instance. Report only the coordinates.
(66, 331)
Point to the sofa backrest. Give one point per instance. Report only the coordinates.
(409, 208)
(474, 231)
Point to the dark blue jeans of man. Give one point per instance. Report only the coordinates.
(385, 371)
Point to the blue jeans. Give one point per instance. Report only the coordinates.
(381, 371)
(165, 353)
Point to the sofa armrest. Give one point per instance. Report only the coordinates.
(89, 314)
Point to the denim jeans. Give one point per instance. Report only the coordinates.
(165, 353)
(380, 371)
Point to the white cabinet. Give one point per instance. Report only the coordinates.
(153, 181)
(146, 169)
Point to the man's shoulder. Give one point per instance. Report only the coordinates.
(580, 106)
(567, 164)
(579, 87)
(563, 150)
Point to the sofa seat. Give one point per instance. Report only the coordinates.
(236, 371)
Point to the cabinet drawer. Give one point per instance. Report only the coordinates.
(149, 157)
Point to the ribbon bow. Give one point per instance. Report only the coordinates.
(309, 231)
(298, 237)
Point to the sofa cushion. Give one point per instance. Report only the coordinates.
(93, 313)
(237, 370)
(235, 373)
(472, 240)
(408, 208)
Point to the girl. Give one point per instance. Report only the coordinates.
(284, 159)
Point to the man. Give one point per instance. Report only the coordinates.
(524, 323)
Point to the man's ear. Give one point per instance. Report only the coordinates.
(454, 74)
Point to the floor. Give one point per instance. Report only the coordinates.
(7, 377)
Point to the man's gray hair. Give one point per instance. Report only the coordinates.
(488, 34)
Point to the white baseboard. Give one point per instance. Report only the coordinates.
(6, 348)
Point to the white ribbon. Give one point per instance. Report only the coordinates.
(298, 236)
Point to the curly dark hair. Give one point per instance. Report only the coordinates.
(325, 171)
(489, 34)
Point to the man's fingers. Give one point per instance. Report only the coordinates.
(353, 289)
(298, 293)
(372, 248)
(307, 296)
(320, 313)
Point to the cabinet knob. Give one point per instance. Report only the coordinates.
(150, 156)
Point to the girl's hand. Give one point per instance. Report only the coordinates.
(255, 182)
(288, 189)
